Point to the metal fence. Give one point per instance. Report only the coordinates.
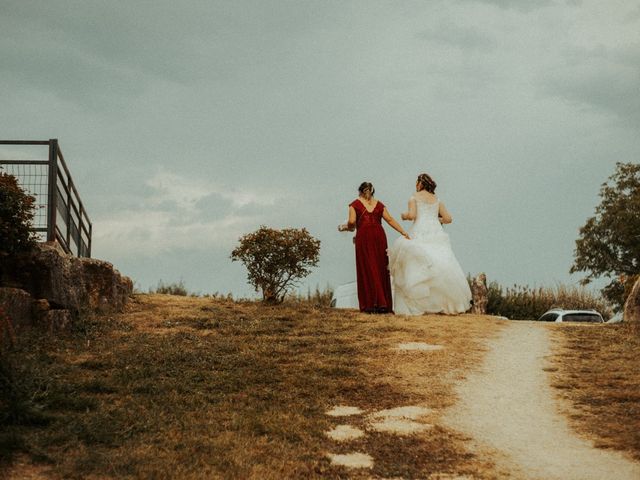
(60, 215)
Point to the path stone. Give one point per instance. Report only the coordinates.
(399, 426)
(421, 346)
(342, 433)
(352, 460)
(449, 476)
(343, 411)
(400, 420)
(410, 412)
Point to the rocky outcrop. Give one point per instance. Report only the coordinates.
(18, 305)
(632, 305)
(60, 286)
(479, 294)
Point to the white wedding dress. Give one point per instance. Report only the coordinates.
(426, 275)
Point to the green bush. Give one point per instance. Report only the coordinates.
(525, 303)
(16, 217)
(175, 288)
(277, 259)
(317, 297)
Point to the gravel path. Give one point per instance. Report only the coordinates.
(509, 406)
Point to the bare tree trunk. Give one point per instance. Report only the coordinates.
(479, 293)
(632, 305)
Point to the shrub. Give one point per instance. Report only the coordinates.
(16, 217)
(175, 288)
(317, 297)
(277, 259)
(526, 303)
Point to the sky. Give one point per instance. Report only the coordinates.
(188, 124)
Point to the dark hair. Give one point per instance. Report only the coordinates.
(366, 187)
(427, 182)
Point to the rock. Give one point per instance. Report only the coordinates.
(18, 305)
(57, 320)
(479, 293)
(107, 290)
(67, 282)
(632, 305)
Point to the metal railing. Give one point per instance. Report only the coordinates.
(59, 216)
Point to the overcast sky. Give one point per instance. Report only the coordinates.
(186, 124)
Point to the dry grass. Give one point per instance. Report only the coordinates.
(183, 387)
(597, 368)
(521, 302)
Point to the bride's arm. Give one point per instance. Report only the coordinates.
(444, 215)
(410, 214)
(392, 222)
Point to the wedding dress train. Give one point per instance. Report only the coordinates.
(426, 275)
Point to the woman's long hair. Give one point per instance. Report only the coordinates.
(366, 190)
(427, 182)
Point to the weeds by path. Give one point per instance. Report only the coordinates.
(597, 368)
(183, 387)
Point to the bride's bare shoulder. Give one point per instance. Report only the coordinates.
(425, 197)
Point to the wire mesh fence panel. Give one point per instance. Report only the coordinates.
(34, 180)
(59, 214)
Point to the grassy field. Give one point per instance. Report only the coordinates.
(184, 387)
(597, 368)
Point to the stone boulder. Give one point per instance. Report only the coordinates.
(66, 282)
(18, 305)
(632, 305)
(479, 294)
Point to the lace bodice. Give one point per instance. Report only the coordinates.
(426, 221)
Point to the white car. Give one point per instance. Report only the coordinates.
(561, 315)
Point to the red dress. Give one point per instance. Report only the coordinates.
(372, 262)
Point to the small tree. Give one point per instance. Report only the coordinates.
(16, 217)
(277, 259)
(609, 243)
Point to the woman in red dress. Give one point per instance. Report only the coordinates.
(372, 264)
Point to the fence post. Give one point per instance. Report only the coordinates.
(52, 190)
(90, 238)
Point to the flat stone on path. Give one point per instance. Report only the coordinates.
(352, 460)
(343, 411)
(420, 346)
(410, 411)
(399, 426)
(344, 432)
(400, 420)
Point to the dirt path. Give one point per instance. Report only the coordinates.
(509, 406)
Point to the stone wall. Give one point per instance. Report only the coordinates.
(56, 287)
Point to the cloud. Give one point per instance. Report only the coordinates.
(179, 213)
(186, 193)
(459, 36)
(149, 233)
(521, 5)
(604, 79)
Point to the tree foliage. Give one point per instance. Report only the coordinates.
(609, 243)
(16, 217)
(277, 259)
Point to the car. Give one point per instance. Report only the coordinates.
(560, 315)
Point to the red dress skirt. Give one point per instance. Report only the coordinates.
(372, 262)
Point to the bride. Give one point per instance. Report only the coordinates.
(427, 277)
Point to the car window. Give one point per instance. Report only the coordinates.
(582, 317)
(549, 317)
